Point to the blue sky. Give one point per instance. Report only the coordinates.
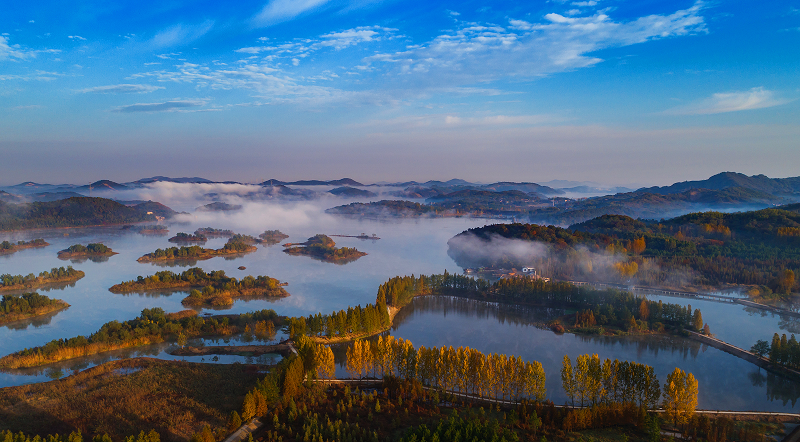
(618, 92)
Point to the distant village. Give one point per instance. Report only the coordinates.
(495, 273)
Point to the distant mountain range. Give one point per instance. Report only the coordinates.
(726, 180)
(559, 202)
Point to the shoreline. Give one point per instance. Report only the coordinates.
(38, 285)
(57, 306)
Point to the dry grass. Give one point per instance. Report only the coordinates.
(124, 397)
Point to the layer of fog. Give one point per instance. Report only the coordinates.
(469, 250)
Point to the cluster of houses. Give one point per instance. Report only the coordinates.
(493, 273)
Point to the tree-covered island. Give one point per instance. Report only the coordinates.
(272, 237)
(182, 237)
(27, 305)
(31, 281)
(81, 251)
(323, 248)
(8, 247)
(211, 232)
(212, 288)
(196, 252)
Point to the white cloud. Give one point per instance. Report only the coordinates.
(34, 76)
(482, 52)
(277, 11)
(122, 89)
(76, 37)
(17, 52)
(181, 34)
(167, 106)
(755, 98)
(168, 56)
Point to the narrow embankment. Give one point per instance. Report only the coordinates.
(746, 355)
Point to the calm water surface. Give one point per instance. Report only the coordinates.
(405, 247)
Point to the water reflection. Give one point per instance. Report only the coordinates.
(726, 382)
(36, 322)
(86, 258)
(42, 288)
(502, 313)
(778, 387)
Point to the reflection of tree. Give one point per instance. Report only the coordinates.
(176, 263)
(757, 378)
(779, 388)
(36, 322)
(654, 344)
(790, 324)
(89, 258)
(503, 313)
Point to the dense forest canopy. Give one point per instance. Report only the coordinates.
(756, 248)
(70, 212)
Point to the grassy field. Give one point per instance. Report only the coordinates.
(122, 398)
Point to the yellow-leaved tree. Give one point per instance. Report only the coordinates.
(680, 396)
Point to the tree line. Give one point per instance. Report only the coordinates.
(608, 307)
(462, 369)
(10, 247)
(781, 350)
(56, 274)
(152, 325)
(26, 303)
(352, 321)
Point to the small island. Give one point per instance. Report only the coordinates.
(197, 252)
(89, 251)
(186, 237)
(210, 232)
(272, 237)
(27, 305)
(323, 248)
(217, 289)
(155, 229)
(8, 247)
(54, 276)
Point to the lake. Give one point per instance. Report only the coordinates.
(414, 246)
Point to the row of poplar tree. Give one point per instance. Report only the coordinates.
(592, 382)
(462, 370)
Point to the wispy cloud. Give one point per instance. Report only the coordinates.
(755, 98)
(122, 89)
(167, 106)
(37, 75)
(278, 11)
(76, 37)
(181, 34)
(479, 52)
(17, 52)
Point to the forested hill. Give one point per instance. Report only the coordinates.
(710, 248)
(70, 212)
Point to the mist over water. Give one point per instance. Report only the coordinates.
(407, 246)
